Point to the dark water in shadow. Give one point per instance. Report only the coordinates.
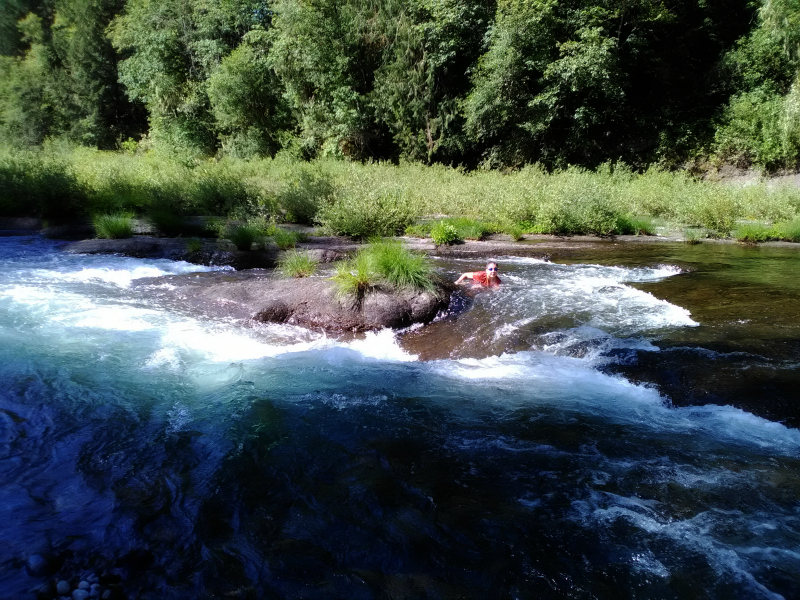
(528, 447)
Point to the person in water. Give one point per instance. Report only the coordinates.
(487, 278)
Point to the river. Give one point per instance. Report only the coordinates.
(615, 422)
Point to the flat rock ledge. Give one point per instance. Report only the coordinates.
(261, 296)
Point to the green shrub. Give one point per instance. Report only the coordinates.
(166, 221)
(515, 230)
(39, 184)
(420, 230)
(628, 225)
(753, 232)
(113, 227)
(444, 233)
(302, 196)
(367, 215)
(691, 237)
(469, 229)
(296, 264)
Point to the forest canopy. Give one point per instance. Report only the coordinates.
(493, 83)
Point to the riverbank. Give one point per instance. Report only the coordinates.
(364, 200)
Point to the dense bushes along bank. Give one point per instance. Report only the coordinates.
(497, 83)
(362, 200)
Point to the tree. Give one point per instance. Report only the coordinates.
(246, 99)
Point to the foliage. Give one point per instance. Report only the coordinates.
(753, 232)
(303, 193)
(362, 214)
(296, 264)
(789, 231)
(355, 276)
(691, 237)
(284, 239)
(382, 261)
(113, 226)
(194, 244)
(399, 266)
(244, 235)
(245, 100)
(631, 225)
(444, 234)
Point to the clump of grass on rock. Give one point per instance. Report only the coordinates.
(385, 262)
(114, 226)
(296, 264)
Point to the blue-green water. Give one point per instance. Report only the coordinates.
(191, 458)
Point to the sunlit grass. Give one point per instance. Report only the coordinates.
(296, 264)
(362, 200)
(383, 261)
(114, 226)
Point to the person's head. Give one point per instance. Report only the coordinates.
(491, 269)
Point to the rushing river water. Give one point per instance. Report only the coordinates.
(619, 424)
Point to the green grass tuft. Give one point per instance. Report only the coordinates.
(789, 232)
(400, 267)
(284, 239)
(628, 225)
(752, 233)
(113, 227)
(354, 276)
(243, 236)
(383, 261)
(296, 264)
(194, 244)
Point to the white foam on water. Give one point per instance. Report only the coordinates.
(696, 534)
(538, 378)
(594, 295)
(381, 345)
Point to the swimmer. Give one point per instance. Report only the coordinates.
(487, 278)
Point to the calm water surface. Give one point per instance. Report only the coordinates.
(615, 423)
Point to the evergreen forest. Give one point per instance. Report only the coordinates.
(470, 83)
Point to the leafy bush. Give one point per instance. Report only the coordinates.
(368, 215)
(113, 227)
(39, 184)
(302, 196)
(445, 233)
(628, 225)
(296, 264)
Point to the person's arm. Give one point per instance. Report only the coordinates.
(465, 276)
